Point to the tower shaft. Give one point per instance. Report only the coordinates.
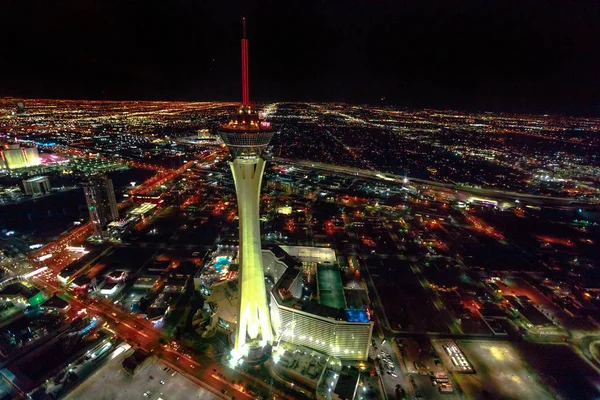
(246, 136)
(253, 319)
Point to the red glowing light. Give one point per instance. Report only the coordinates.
(245, 85)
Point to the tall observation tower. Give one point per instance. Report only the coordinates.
(246, 137)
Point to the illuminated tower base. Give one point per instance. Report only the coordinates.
(254, 326)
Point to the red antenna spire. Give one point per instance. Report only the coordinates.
(245, 88)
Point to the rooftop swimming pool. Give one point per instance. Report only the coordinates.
(222, 262)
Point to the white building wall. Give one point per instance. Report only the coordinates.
(346, 340)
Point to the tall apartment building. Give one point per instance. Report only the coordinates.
(101, 202)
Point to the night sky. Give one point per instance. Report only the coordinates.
(523, 56)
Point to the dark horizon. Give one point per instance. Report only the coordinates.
(534, 57)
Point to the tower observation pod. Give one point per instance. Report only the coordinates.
(246, 137)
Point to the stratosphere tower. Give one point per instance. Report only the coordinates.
(246, 137)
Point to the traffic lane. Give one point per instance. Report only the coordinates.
(115, 312)
(388, 348)
(129, 333)
(78, 233)
(75, 234)
(203, 374)
(212, 369)
(121, 326)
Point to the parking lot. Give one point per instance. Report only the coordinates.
(111, 382)
(501, 371)
(390, 381)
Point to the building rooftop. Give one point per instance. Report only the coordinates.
(56, 302)
(283, 255)
(323, 255)
(19, 289)
(528, 310)
(109, 285)
(347, 383)
(329, 287)
(225, 299)
(36, 179)
(81, 280)
(332, 302)
(142, 209)
(322, 310)
(300, 363)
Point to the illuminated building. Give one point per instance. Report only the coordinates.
(14, 156)
(246, 137)
(32, 157)
(203, 138)
(346, 336)
(334, 324)
(117, 276)
(110, 288)
(146, 282)
(143, 211)
(341, 330)
(155, 197)
(37, 185)
(22, 293)
(55, 305)
(101, 202)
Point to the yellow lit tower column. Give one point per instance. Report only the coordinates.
(246, 137)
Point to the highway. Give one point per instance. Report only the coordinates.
(384, 176)
(75, 235)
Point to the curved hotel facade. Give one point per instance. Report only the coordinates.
(319, 331)
(344, 332)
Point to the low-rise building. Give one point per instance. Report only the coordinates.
(22, 293)
(36, 186)
(146, 281)
(55, 305)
